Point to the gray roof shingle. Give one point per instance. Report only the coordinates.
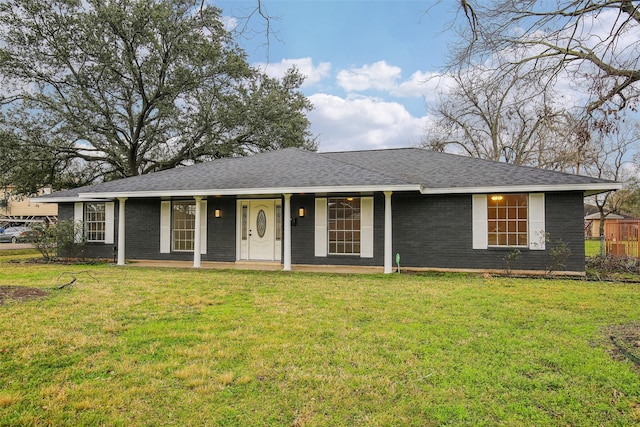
(292, 168)
(442, 170)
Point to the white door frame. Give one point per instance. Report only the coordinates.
(247, 212)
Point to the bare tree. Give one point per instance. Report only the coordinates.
(502, 117)
(593, 43)
(609, 156)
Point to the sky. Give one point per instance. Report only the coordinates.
(369, 65)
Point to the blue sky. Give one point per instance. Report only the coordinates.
(370, 65)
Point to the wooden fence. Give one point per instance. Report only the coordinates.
(622, 237)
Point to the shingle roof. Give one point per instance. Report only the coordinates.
(296, 170)
(442, 170)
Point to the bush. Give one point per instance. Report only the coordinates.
(613, 264)
(64, 239)
(558, 256)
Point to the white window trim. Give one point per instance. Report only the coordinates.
(537, 231)
(78, 218)
(536, 222)
(203, 226)
(166, 225)
(480, 222)
(321, 233)
(366, 227)
(109, 221)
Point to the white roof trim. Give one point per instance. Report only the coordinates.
(591, 188)
(70, 199)
(251, 191)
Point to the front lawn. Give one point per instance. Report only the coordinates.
(138, 346)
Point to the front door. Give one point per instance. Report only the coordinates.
(259, 230)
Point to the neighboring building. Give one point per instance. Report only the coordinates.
(620, 233)
(21, 210)
(361, 208)
(592, 223)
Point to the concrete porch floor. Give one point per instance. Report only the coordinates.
(259, 266)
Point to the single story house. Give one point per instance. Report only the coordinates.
(360, 208)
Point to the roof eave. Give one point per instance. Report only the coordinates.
(249, 191)
(588, 189)
(69, 199)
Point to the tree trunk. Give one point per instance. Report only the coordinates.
(603, 239)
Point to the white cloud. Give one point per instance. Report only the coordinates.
(427, 85)
(379, 76)
(362, 123)
(313, 73)
(386, 78)
(358, 121)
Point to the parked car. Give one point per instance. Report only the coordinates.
(15, 234)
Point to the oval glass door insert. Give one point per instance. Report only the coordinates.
(261, 223)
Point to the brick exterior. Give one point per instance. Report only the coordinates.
(428, 231)
(303, 239)
(436, 231)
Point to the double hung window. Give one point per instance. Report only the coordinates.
(94, 221)
(344, 225)
(184, 224)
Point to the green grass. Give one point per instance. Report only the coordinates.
(136, 346)
(591, 247)
(17, 254)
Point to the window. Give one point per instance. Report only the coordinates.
(94, 221)
(344, 225)
(245, 219)
(507, 216)
(184, 224)
(278, 222)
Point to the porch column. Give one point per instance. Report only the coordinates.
(287, 232)
(121, 238)
(197, 238)
(388, 238)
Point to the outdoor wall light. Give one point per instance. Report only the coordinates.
(301, 212)
(217, 213)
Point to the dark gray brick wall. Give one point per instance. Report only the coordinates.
(92, 250)
(221, 239)
(142, 224)
(436, 231)
(65, 211)
(428, 231)
(303, 241)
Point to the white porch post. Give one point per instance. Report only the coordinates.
(121, 239)
(121, 231)
(287, 232)
(388, 241)
(197, 239)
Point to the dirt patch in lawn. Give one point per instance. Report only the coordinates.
(626, 342)
(20, 293)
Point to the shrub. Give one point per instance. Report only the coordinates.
(64, 239)
(558, 256)
(512, 257)
(613, 264)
